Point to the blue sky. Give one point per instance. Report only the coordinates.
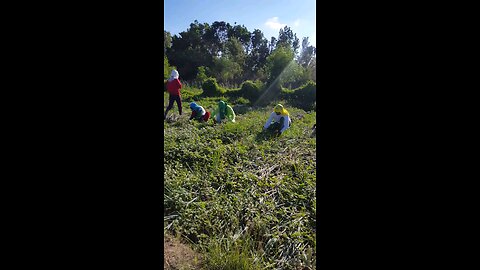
(267, 15)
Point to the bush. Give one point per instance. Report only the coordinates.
(242, 101)
(308, 92)
(251, 90)
(165, 85)
(303, 97)
(233, 93)
(190, 94)
(211, 88)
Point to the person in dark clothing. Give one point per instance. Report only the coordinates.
(173, 88)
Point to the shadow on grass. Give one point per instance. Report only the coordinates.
(266, 135)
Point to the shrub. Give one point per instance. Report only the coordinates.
(251, 90)
(303, 97)
(308, 92)
(234, 93)
(242, 100)
(211, 88)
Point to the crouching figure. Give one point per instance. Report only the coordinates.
(279, 120)
(199, 113)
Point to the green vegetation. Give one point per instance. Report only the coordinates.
(211, 88)
(241, 197)
(245, 199)
(232, 54)
(251, 90)
(303, 97)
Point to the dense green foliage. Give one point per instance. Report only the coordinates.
(233, 54)
(251, 90)
(278, 62)
(211, 88)
(235, 190)
(202, 74)
(244, 198)
(167, 69)
(303, 97)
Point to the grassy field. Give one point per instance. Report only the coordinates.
(240, 197)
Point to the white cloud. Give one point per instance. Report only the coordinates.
(296, 23)
(273, 23)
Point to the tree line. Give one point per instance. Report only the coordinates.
(232, 54)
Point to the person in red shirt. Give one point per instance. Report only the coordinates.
(173, 88)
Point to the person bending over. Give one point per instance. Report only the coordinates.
(199, 113)
(223, 112)
(279, 120)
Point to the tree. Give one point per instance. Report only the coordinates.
(286, 37)
(202, 74)
(294, 75)
(167, 41)
(242, 34)
(216, 37)
(277, 62)
(189, 50)
(257, 57)
(307, 53)
(272, 45)
(234, 51)
(167, 69)
(312, 69)
(225, 69)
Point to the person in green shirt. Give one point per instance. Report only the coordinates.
(223, 112)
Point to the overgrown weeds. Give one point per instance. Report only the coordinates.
(245, 199)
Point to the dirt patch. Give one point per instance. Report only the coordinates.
(179, 256)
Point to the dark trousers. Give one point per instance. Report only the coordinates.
(171, 100)
(277, 126)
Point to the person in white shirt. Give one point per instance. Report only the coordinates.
(280, 118)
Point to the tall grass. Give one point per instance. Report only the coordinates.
(242, 197)
(232, 255)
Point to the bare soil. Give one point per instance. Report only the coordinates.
(179, 256)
